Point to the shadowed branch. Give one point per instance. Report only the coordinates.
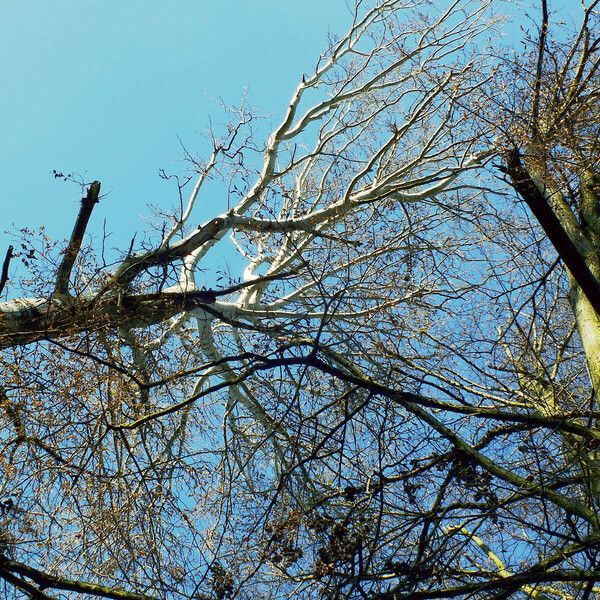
(5, 265)
(66, 266)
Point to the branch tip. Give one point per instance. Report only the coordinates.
(85, 211)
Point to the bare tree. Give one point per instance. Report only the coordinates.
(393, 397)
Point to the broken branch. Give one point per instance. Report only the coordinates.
(5, 264)
(66, 266)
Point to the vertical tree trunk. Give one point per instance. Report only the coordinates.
(588, 326)
(576, 238)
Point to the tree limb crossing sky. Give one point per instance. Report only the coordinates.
(106, 91)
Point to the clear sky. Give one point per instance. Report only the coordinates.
(104, 89)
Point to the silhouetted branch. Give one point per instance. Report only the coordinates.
(5, 264)
(527, 189)
(66, 266)
(45, 580)
(538, 76)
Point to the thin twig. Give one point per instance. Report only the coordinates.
(538, 75)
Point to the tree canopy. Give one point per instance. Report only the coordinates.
(394, 391)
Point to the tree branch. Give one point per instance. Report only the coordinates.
(66, 266)
(550, 223)
(5, 264)
(510, 585)
(539, 68)
(45, 580)
(32, 592)
(166, 254)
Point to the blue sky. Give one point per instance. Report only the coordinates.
(104, 89)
